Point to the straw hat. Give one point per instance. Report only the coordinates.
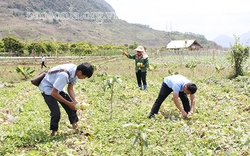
(140, 48)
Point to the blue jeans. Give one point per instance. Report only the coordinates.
(163, 94)
(55, 113)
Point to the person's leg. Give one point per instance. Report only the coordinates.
(54, 112)
(185, 101)
(73, 119)
(138, 78)
(144, 81)
(42, 64)
(164, 92)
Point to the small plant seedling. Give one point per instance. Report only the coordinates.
(25, 71)
(138, 134)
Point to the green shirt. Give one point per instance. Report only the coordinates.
(145, 62)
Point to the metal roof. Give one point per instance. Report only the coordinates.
(181, 43)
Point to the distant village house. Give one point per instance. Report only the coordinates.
(184, 44)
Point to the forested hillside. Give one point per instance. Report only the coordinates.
(91, 21)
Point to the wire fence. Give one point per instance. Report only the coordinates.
(211, 57)
(203, 58)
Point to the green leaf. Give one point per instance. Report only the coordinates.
(130, 124)
(143, 136)
(134, 141)
(145, 143)
(131, 135)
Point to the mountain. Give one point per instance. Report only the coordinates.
(226, 41)
(245, 38)
(93, 21)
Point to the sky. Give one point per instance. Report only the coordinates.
(210, 18)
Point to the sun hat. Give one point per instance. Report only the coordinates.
(140, 48)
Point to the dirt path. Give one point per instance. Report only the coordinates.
(31, 61)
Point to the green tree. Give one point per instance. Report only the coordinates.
(72, 47)
(133, 46)
(1, 46)
(49, 47)
(38, 48)
(238, 55)
(77, 49)
(86, 48)
(82, 48)
(13, 45)
(63, 47)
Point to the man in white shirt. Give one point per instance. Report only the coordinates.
(43, 62)
(52, 87)
(180, 86)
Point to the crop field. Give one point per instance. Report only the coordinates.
(115, 119)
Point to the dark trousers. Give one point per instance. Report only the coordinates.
(164, 92)
(55, 113)
(141, 77)
(43, 65)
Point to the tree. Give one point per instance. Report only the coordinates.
(62, 47)
(86, 48)
(133, 46)
(82, 48)
(72, 47)
(1, 46)
(77, 48)
(238, 55)
(12, 44)
(37, 47)
(49, 47)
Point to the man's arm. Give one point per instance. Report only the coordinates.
(177, 104)
(192, 99)
(72, 93)
(58, 97)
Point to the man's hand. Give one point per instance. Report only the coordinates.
(75, 101)
(177, 104)
(72, 105)
(190, 112)
(125, 53)
(140, 65)
(184, 114)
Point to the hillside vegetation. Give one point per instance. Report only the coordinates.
(78, 21)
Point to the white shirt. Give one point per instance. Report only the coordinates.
(176, 82)
(59, 80)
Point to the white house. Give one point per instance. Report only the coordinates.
(181, 44)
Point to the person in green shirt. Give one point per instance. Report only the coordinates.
(141, 65)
